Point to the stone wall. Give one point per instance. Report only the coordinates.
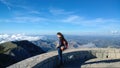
(50, 60)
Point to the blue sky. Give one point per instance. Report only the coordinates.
(79, 17)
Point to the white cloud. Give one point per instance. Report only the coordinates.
(8, 4)
(115, 32)
(88, 45)
(29, 19)
(57, 11)
(68, 16)
(75, 19)
(19, 4)
(18, 37)
(72, 19)
(24, 20)
(34, 12)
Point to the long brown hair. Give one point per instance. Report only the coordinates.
(62, 38)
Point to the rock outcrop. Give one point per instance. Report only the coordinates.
(12, 52)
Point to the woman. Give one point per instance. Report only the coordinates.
(63, 44)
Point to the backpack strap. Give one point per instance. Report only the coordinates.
(65, 44)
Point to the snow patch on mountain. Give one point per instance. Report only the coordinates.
(88, 45)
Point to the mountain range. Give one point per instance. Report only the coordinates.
(48, 42)
(17, 47)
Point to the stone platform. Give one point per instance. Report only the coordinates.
(95, 63)
(74, 58)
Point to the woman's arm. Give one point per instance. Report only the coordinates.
(58, 44)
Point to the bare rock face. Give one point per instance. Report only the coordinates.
(12, 52)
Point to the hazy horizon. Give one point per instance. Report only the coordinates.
(54, 34)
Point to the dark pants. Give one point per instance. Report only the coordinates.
(60, 56)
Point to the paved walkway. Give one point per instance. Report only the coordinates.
(103, 63)
(75, 64)
(94, 63)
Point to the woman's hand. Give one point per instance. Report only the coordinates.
(62, 48)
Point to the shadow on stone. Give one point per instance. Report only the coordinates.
(6, 60)
(71, 60)
(77, 59)
(103, 61)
